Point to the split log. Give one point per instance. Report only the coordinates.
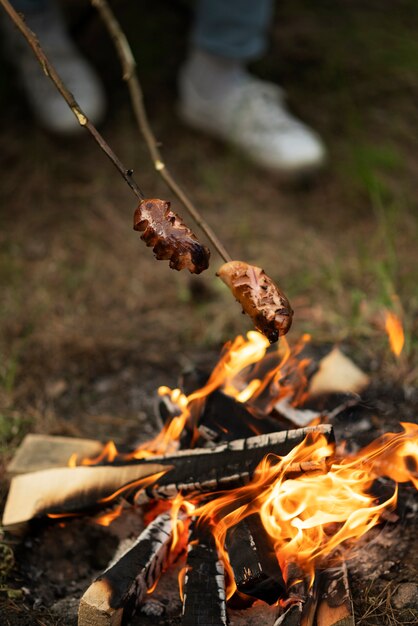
(39, 452)
(251, 554)
(68, 489)
(122, 588)
(337, 374)
(335, 606)
(204, 599)
(226, 466)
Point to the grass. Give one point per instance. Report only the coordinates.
(374, 607)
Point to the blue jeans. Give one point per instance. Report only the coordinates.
(235, 29)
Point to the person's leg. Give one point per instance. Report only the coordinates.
(48, 106)
(219, 96)
(232, 29)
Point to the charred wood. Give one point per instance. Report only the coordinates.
(118, 592)
(300, 606)
(335, 605)
(226, 419)
(226, 466)
(251, 554)
(204, 600)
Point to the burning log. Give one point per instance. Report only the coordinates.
(300, 607)
(204, 600)
(256, 570)
(118, 592)
(335, 605)
(228, 465)
(224, 418)
(69, 489)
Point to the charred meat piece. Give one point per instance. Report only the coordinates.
(169, 237)
(259, 297)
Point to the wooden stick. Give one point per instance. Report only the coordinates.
(130, 76)
(299, 608)
(311, 603)
(116, 594)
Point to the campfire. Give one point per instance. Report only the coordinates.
(245, 488)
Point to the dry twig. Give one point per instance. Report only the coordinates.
(130, 76)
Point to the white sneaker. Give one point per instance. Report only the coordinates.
(253, 117)
(46, 102)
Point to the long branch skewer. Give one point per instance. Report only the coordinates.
(128, 63)
(131, 77)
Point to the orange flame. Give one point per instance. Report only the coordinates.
(394, 329)
(109, 453)
(309, 516)
(309, 512)
(180, 578)
(107, 518)
(246, 372)
(139, 484)
(72, 461)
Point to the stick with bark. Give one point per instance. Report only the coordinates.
(259, 296)
(83, 120)
(128, 64)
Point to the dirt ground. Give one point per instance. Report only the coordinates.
(91, 323)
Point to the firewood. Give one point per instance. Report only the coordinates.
(337, 374)
(39, 452)
(300, 607)
(310, 604)
(256, 570)
(226, 466)
(225, 419)
(118, 592)
(335, 605)
(68, 489)
(204, 599)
